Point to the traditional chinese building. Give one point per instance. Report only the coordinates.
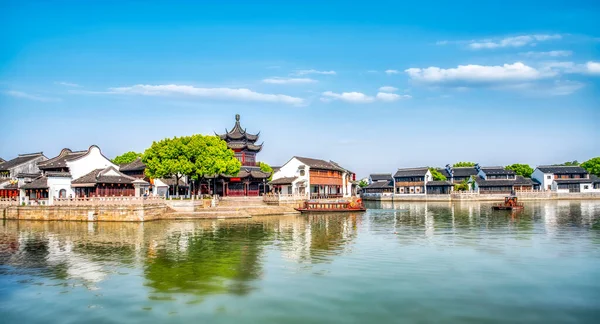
(250, 181)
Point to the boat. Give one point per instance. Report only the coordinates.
(323, 206)
(510, 203)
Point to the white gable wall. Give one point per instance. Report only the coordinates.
(55, 184)
(543, 179)
(88, 163)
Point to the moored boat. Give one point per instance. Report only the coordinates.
(320, 206)
(510, 203)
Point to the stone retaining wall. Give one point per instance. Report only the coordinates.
(130, 213)
(545, 195)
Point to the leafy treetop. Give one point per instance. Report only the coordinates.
(463, 164)
(363, 183)
(592, 165)
(575, 163)
(126, 157)
(436, 175)
(266, 168)
(521, 169)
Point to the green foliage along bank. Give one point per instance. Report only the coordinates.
(127, 157)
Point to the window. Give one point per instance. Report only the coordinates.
(62, 193)
(586, 187)
(302, 173)
(548, 177)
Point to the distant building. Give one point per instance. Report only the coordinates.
(563, 178)
(458, 174)
(313, 177)
(379, 183)
(494, 180)
(412, 180)
(439, 187)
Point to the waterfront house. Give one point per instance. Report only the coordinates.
(380, 183)
(79, 174)
(313, 177)
(525, 184)
(11, 170)
(23, 163)
(412, 180)
(494, 180)
(439, 187)
(457, 175)
(595, 182)
(563, 178)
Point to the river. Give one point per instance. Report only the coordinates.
(395, 263)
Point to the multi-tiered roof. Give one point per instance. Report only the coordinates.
(239, 140)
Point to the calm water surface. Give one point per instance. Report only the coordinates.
(402, 262)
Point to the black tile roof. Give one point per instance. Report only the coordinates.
(237, 133)
(284, 180)
(58, 174)
(497, 171)
(39, 183)
(380, 176)
(495, 183)
(439, 184)
(522, 181)
(60, 161)
(411, 172)
(2, 160)
(380, 184)
(464, 171)
(561, 169)
(319, 164)
(594, 178)
(20, 159)
(136, 165)
(28, 175)
(567, 181)
(444, 172)
(100, 176)
(172, 181)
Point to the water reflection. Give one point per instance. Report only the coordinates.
(203, 258)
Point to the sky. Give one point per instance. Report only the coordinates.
(374, 86)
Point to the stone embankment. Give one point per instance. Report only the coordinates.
(229, 207)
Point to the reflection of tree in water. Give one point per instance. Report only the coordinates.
(222, 260)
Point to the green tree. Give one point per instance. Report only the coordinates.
(463, 164)
(592, 165)
(436, 175)
(521, 169)
(363, 183)
(126, 157)
(266, 168)
(168, 158)
(209, 156)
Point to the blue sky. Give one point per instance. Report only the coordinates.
(371, 85)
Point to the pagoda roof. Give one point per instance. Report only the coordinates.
(243, 145)
(238, 133)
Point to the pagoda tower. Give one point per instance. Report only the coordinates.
(242, 143)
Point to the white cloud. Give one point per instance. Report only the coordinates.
(389, 97)
(547, 54)
(210, 93)
(553, 88)
(352, 97)
(23, 95)
(359, 97)
(392, 72)
(476, 74)
(278, 80)
(593, 67)
(68, 84)
(388, 89)
(515, 41)
(311, 71)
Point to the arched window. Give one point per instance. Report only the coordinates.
(62, 193)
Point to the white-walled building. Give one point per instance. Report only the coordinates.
(563, 178)
(313, 178)
(80, 173)
(412, 181)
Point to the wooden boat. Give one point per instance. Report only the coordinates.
(510, 203)
(316, 206)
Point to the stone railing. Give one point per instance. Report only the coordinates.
(9, 202)
(105, 201)
(283, 197)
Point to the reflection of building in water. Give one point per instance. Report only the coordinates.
(315, 238)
